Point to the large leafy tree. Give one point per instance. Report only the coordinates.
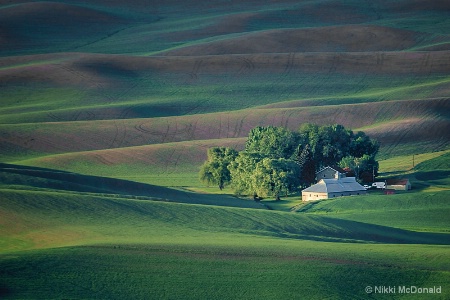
(215, 169)
(329, 144)
(365, 167)
(335, 143)
(275, 177)
(362, 145)
(242, 170)
(305, 161)
(361, 157)
(253, 174)
(272, 142)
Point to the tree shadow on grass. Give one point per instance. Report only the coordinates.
(433, 175)
(384, 234)
(428, 178)
(67, 181)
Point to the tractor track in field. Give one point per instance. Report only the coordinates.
(247, 67)
(114, 140)
(124, 113)
(107, 36)
(289, 64)
(334, 64)
(102, 159)
(192, 130)
(193, 75)
(175, 165)
(140, 127)
(380, 56)
(288, 67)
(426, 64)
(167, 161)
(228, 126)
(239, 125)
(172, 132)
(163, 136)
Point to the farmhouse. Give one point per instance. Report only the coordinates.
(332, 188)
(329, 173)
(398, 184)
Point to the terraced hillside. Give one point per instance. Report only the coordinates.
(144, 86)
(139, 92)
(107, 108)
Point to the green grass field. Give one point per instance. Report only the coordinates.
(101, 245)
(107, 111)
(110, 247)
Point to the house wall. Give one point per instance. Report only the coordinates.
(310, 196)
(398, 187)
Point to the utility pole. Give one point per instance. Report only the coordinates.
(373, 173)
(413, 161)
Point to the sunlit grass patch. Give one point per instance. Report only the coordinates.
(407, 162)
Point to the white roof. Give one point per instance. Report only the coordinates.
(347, 184)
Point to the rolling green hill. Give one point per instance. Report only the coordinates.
(107, 246)
(107, 108)
(64, 235)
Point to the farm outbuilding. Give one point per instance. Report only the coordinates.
(329, 173)
(332, 188)
(398, 184)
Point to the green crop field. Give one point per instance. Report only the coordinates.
(107, 109)
(90, 243)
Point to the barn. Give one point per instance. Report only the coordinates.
(332, 188)
(398, 184)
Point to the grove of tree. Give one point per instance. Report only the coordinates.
(277, 161)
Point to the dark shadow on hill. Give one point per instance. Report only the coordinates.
(67, 181)
(433, 175)
(383, 234)
(346, 231)
(5, 291)
(431, 178)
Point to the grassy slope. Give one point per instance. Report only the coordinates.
(65, 234)
(415, 210)
(67, 103)
(233, 251)
(51, 179)
(425, 208)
